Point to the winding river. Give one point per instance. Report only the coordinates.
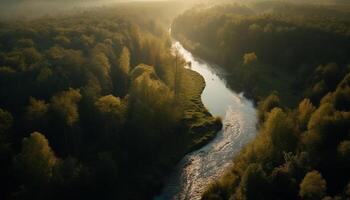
(197, 169)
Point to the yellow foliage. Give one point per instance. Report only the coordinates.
(313, 186)
(305, 110)
(36, 109)
(36, 159)
(65, 103)
(249, 58)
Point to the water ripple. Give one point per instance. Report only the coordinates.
(197, 169)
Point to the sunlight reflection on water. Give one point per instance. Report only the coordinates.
(197, 169)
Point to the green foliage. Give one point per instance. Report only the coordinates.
(289, 144)
(111, 105)
(151, 100)
(277, 34)
(280, 129)
(66, 171)
(112, 112)
(319, 90)
(102, 68)
(265, 106)
(6, 123)
(342, 98)
(314, 133)
(113, 122)
(253, 183)
(302, 54)
(66, 176)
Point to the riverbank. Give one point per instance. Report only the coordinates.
(238, 80)
(202, 51)
(197, 169)
(201, 124)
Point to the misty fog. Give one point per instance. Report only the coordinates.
(35, 8)
(27, 9)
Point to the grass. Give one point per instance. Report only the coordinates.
(201, 124)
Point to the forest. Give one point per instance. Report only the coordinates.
(134, 100)
(299, 39)
(89, 108)
(293, 60)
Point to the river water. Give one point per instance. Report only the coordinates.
(197, 169)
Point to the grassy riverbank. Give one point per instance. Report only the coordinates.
(202, 125)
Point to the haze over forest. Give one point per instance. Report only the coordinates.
(35, 8)
(165, 99)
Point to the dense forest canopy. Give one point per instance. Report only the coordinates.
(94, 104)
(88, 107)
(301, 53)
(286, 39)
